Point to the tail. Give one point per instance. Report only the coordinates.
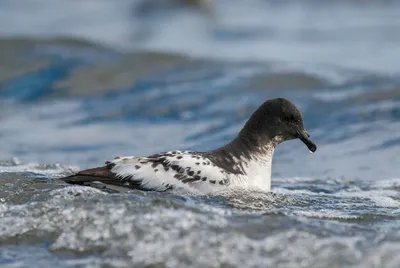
(102, 174)
(101, 178)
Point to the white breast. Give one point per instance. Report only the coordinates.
(257, 173)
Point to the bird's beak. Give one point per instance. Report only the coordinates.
(305, 138)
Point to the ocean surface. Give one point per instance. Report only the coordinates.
(84, 81)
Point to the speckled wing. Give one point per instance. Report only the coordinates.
(176, 169)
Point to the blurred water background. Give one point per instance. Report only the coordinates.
(84, 81)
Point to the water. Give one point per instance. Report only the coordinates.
(71, 103)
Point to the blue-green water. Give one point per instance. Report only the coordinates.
(70, 103)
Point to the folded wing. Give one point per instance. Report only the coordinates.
(159, 172)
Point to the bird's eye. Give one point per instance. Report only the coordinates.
(290, 118)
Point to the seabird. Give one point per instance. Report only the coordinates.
(244, 162)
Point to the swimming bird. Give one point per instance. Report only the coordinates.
(244, 162)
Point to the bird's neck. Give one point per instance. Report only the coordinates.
(250, 159)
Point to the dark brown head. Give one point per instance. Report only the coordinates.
(277, 119)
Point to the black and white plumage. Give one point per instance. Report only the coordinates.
(244, 162)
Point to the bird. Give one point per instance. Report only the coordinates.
(245, 162)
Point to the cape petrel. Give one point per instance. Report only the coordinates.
(244, 162)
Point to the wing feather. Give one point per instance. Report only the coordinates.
(160, 172)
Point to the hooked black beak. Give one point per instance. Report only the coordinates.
(305, 138)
